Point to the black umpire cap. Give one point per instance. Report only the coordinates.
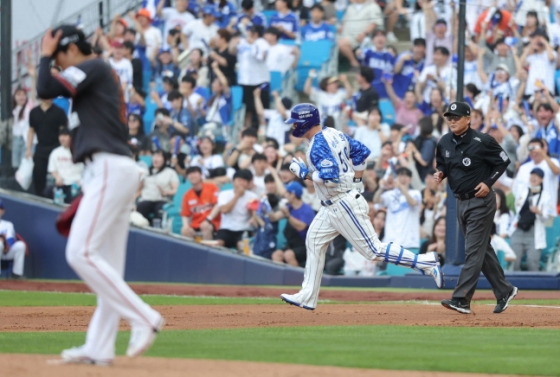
(70, 34)
(458, 108)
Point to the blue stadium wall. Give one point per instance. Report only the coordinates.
(153, 257)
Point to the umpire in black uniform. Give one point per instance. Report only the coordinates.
(473, 162)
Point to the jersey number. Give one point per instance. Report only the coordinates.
(343, 160)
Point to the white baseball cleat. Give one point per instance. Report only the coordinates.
(293, 300)
(435, 271)
(77, 355)
(142, 337)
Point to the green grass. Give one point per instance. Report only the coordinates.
(32, 298)
(477, 350)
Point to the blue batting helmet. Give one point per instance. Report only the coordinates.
(305, 116)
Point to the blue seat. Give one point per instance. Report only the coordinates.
(394, 270)
(173, 209)
(502, 259)
(146, 159)
(315, 53)
(557, 79)
(388, 111)
(276, 81)
(339, 15)
(226, 186)
(302, 74)
(149, 115)
(553, 232)
(287, 42)
(280, 239)
(268, 14)
(237, 97)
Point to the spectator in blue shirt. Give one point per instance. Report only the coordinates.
(299, 215)
(180, 119)
(317, 29)
(547, 127)
(408, 66)
(225, 13)
(164, 67)
(381, 60)
(248, 17)
(137, 103)
(285, 20)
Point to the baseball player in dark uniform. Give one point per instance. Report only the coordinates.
(473, 162)
(96, 245)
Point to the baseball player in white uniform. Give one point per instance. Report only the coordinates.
(10, 248)
(336, 164)
(96, 247)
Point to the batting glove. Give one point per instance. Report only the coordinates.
(359, 185)
(298, 168)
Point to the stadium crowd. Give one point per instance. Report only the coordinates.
(182, 64)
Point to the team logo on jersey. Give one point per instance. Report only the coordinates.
(446, 153)
(453, 107)
(326, 164)
(467, 161)
(477, 139)
(503, 155)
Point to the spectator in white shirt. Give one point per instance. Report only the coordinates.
(252, 69)
(550, 166)
(540, 58)
(403, 210)
(374, 134)
(175, 18)
(258, 167)
(528, 231)
(503, 216)
(232, 204)
(280, 57)
(65, 172)
(272, 122)
(151, 36)
(207, 159)
(441, 74)
(200, 32)
(330, 95)
(360, 20)
(158, 187)
(193, 101)
(123, 67)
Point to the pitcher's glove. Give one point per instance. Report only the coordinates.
(64, 220)
(298, 168)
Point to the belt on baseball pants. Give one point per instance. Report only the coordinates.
(467, 196)
(329, 202)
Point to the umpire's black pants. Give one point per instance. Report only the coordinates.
(475, 217)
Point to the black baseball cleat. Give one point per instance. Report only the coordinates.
(461, 306)
(504, 302)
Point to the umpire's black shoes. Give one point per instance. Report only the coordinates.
(504, 302)
(461, 306)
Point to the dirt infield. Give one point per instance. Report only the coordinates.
(38, 366)
(249, 291)
(59, 318)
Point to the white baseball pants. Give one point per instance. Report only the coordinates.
(96, 250)
(17, 254)
(348, 216)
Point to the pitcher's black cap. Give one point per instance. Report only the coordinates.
(70, 34)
